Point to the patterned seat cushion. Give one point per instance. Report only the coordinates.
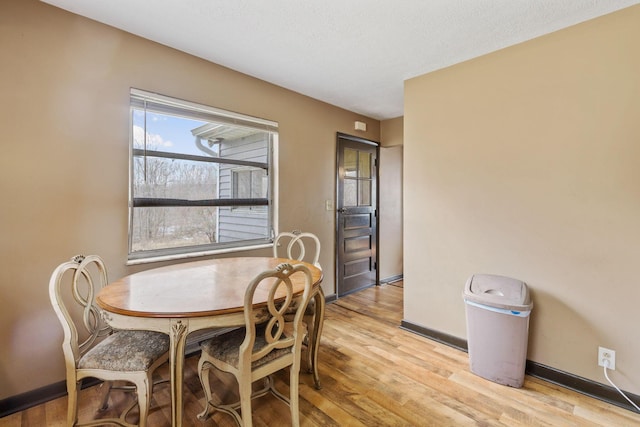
(226, 347)
(126, 351)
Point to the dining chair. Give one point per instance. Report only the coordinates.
(266, 344)
(92, 349)
(296, 243)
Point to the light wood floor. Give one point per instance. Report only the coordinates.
(374, 374)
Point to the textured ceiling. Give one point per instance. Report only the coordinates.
(354, 54)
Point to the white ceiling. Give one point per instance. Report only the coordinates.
(354, 54)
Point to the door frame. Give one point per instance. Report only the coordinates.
(368, 142)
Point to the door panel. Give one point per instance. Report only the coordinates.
(356, 218)
(357, 221)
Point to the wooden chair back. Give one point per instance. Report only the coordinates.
(81, 278)
(294, 245)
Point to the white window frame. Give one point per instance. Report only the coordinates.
(167, 105)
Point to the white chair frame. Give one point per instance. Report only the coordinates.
(314, 317)
(84, 291)
(276, 350)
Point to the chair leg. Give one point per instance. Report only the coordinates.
(203, 372)
(244, 387)
(309, 321)
(144, 399)
(73, 387)
(293, 395)
(315, 334)
(106, 390)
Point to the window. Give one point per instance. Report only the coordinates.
(200, 178)
(249, 184)
(357, 178)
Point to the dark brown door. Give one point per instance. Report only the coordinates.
(356, 214)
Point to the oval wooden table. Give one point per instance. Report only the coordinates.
(187, 297)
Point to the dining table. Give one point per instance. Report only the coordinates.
(182, 298)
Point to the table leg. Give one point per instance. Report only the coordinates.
(177, 339)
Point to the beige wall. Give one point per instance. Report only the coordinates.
(390, 174)
(392, 132)
(526, 163)
(64, 123)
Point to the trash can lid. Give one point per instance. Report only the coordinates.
(498, 291)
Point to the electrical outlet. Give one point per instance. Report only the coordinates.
(605, 354)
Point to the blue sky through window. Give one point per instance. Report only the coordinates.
(166, 132)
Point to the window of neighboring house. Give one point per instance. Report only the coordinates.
(249, 183)
(201, 179)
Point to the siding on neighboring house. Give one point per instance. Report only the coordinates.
(242, 222)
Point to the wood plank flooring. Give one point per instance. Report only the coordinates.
(373, 374)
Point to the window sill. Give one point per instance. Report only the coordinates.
(196, 254)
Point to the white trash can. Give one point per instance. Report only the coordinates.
(497, 310)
